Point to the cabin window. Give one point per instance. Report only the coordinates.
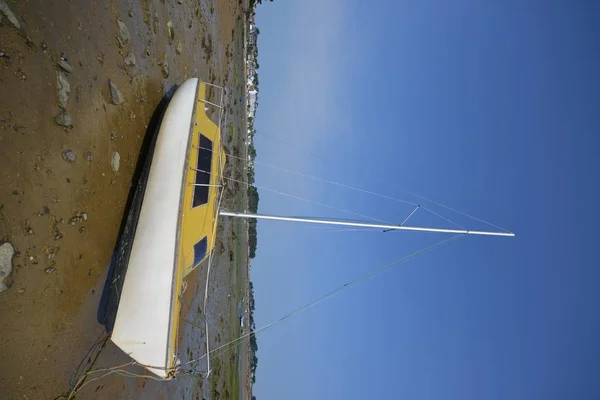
(200, 249)
(203, 167)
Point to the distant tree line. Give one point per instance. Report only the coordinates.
(253, 343)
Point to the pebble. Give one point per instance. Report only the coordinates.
(63, 88)
(50, 269)
(65, 65)
(68, 156)
(64, 120)
(116, 160)
(6, 265)
(123, 35)
(179, 48)
(165, 66)
(170, 32)
(89, 156)
(130, 59)
(116, 97)
(9, 14)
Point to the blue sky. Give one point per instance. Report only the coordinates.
(489, 107)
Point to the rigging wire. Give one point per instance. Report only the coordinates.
(303, 199)
(380, 195)
(370, 275)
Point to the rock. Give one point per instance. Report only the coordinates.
(114, 163)
(69, 156)
(179, 48)
(63, 89)
(130, 13)
(116, 97)
(165, 66)
(10, 16)
(130, 59)
(170, 32)
(46, 210)
(44, 46)
(123, 35)
(65, 65)
(50, 269)
(64, 120)
(89, 156)
(155, 22)
(6, 265)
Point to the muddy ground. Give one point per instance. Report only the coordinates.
(62, 196)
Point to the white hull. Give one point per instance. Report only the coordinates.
(143, 318)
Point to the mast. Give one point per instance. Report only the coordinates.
(361, 224)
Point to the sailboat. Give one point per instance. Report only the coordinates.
(175, 229)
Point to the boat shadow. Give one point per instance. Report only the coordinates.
(109, 302)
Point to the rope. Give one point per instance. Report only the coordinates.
(306, 200)
(335, 292)
(455, 210)
(380, 195)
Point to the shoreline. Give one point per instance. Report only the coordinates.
(49, 313)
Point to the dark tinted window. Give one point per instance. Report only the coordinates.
(203, 171)
(200, 251)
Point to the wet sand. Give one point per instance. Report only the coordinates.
(63, 217)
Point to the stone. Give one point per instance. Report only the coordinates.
(123, 35)
(65, 65)
(170, 32)
(9, 14)
(89, 156)
(179, 48)
(63, 119)
(165, 66)
(6, 265)
(115, 161)
(116, 97)
(130, 59)
(69, 156)
(63, 89)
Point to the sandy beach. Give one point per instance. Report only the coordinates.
(68, 150)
